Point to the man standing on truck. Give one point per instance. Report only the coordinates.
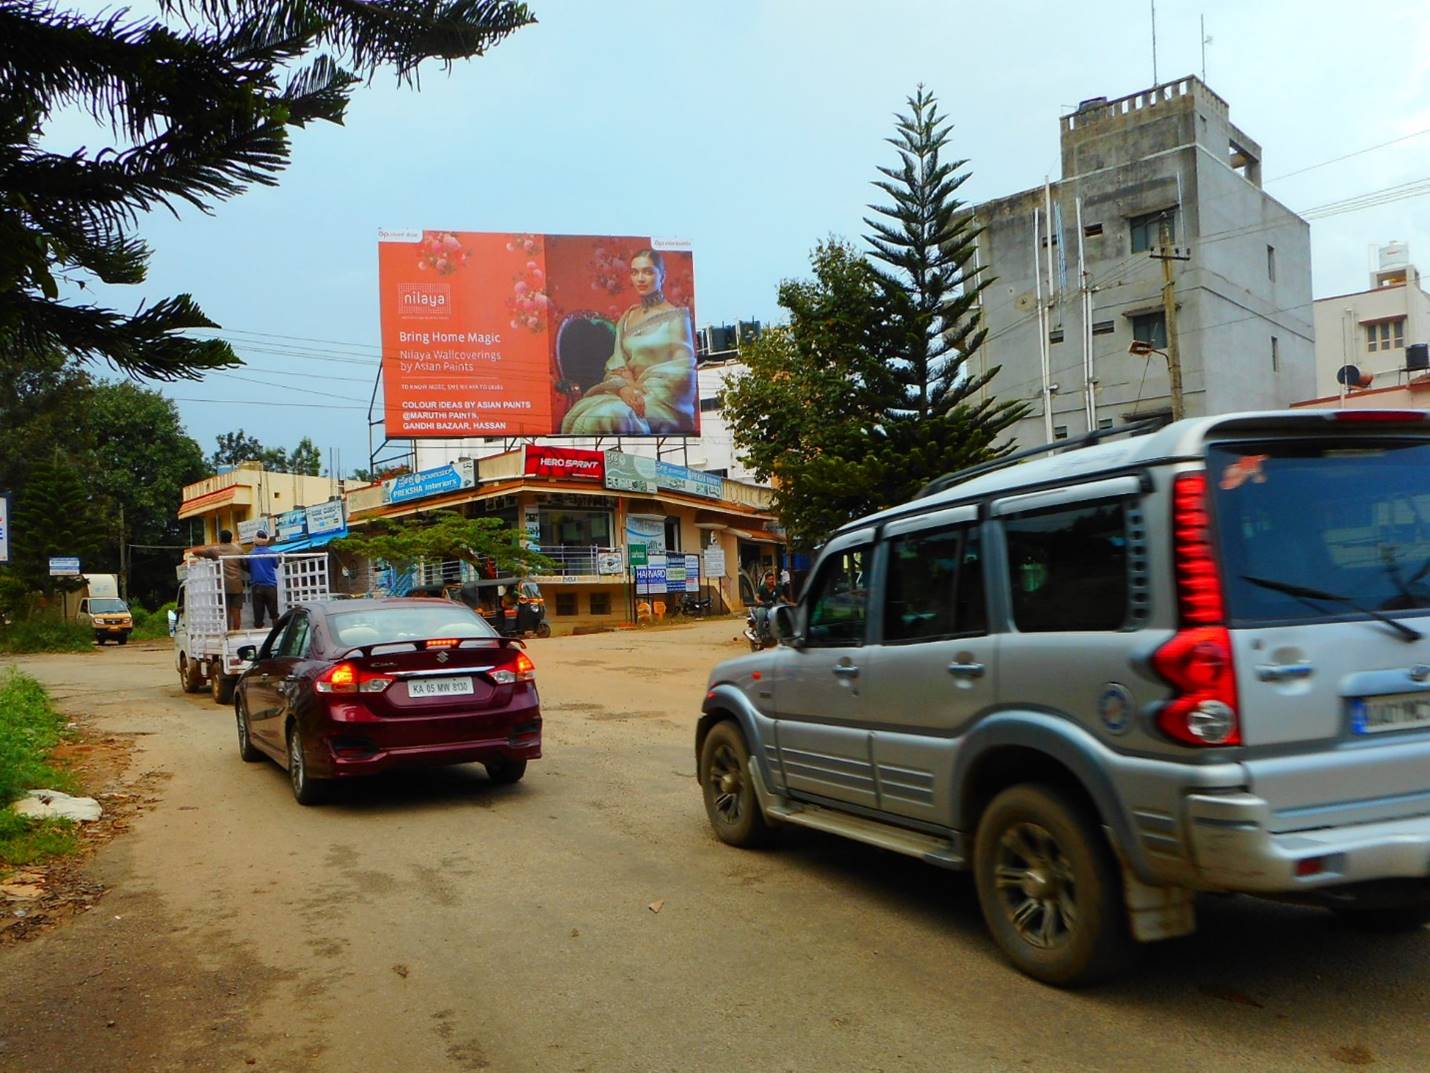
(263, 569)
(230, 555)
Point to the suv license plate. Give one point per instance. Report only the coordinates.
(438, 687)
(1398, 711)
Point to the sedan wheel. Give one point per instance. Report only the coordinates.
(307, 791)
(246, 749)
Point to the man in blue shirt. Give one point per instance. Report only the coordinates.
(263, 575)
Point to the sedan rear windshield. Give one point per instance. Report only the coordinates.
(1350, 519)
(418, 623)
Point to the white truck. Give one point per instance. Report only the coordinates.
(103, 611)
(205, 648)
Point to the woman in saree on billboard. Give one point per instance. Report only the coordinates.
(650, 384)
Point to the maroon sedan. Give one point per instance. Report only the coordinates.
(353, 687)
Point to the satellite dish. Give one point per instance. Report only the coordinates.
(1351, 376)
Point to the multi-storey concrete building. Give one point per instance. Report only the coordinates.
(1375, 330)
(1075, 279)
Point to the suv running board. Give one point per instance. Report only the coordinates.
(933, 849)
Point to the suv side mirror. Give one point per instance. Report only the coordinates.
(782, 624)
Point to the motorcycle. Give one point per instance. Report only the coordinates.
(695, 606)
(758, 629)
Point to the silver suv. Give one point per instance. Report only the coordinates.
(1194, 659)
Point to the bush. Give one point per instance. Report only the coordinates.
(45, 635)
(151, 625)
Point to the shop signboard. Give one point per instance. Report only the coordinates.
(610, 562)
(650, 580)
(630, 473)
(292, 524)
(714, 561)
(505, 334)
(675, 573)
(647, 529)
(249, 529)
(565, 464)
(531, 523)
(692, 571)
(325, 518)
(64, 566)
(638, 555)
(690, 481)
(4, 527)
(430, 482)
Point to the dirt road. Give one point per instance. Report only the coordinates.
(437, 922)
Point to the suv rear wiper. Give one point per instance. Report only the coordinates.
(1301, 592)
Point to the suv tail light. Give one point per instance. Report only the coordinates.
(523, 670)
(1197, 662)
(348, 678)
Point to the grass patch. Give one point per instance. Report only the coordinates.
(30, 728)
(24, 841)
(45, 635)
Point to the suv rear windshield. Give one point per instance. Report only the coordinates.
(1347, 518)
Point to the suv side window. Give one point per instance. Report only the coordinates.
(1068, 568)
(934, 586)
(837, 600)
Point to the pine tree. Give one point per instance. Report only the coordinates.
(926, 243)
(55, 515)
(200, 105)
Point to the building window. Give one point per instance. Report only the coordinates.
(1068, 569)
(1385, 335)
(672, 534)
(1060, 432)
(1104, 422)
(1103, 327)
(1151, 328)
(1147, 230)
(575, 528)
(1055, 336)
(566, 603)
(706, 405)
(1275, 354)
(1092, 230)
(1271, 263)
(600, 603)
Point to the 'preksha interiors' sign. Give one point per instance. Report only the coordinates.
(565, 463)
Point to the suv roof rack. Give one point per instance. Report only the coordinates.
(1087, 439)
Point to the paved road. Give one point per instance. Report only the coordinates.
(436, 922)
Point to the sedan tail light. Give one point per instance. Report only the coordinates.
(349, 678)
(521, 671)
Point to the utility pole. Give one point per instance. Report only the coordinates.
(123, 550)
(1167, 253)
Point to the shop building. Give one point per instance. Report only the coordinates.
(248, 497)
(621, 530)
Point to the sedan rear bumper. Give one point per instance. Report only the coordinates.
(350, 758)
(1235, 851)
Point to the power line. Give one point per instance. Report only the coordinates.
(1347, 156)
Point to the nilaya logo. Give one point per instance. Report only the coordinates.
(425, 299)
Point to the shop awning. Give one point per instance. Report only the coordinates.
(203, 504)
(755, 537)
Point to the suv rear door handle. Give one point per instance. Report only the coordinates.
(846, 670)
(966, 670)
(1283, 672)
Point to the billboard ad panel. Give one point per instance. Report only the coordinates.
(565, 463)
(506, 334)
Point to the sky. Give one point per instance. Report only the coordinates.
(752, 128)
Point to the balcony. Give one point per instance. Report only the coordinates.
(583, 561)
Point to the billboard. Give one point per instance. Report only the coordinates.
(508, 334)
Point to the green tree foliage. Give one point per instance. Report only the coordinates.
(443, 536)
(866, 396)
(55, 514)
(239, 446)
(197, 106)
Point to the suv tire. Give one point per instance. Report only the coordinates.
(1049, 887)
(730, 802)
